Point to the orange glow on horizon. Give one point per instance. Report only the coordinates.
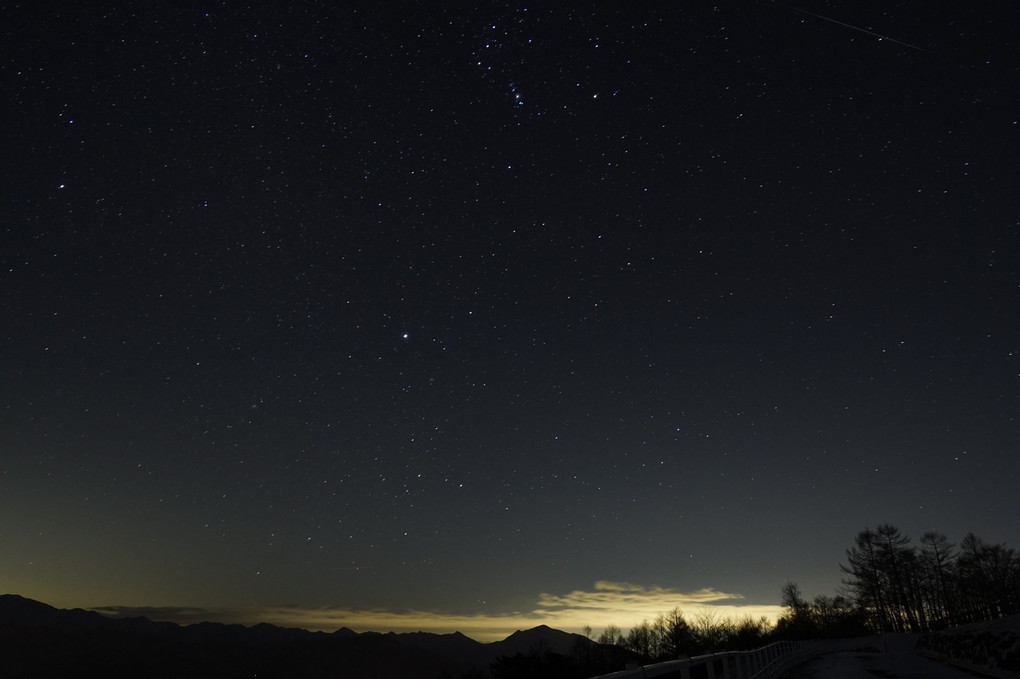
(624, 605)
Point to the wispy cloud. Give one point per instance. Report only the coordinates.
(614, 596)
(620, 603)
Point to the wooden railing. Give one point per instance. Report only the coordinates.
(767, 662)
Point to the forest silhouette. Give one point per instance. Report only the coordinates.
(889, 584)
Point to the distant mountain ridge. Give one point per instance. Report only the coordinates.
(38, 640)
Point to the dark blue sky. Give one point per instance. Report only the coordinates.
(446, 309)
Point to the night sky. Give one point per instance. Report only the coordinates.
(440, 316)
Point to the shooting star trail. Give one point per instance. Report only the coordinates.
(856, 28)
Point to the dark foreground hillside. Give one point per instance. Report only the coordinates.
(43, 653)
(38, 641)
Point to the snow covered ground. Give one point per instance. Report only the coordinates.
(896, 659)
(859, 665)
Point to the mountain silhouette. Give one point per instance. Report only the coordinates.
(543, 638)
(19, 611)
(43, 642)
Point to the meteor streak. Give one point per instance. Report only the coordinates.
(856, 28)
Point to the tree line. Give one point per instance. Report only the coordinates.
(669, 636)
(890, 585)
(672, 635)
(901, 587)
(893, 585)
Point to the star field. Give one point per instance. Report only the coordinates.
(443, 309)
